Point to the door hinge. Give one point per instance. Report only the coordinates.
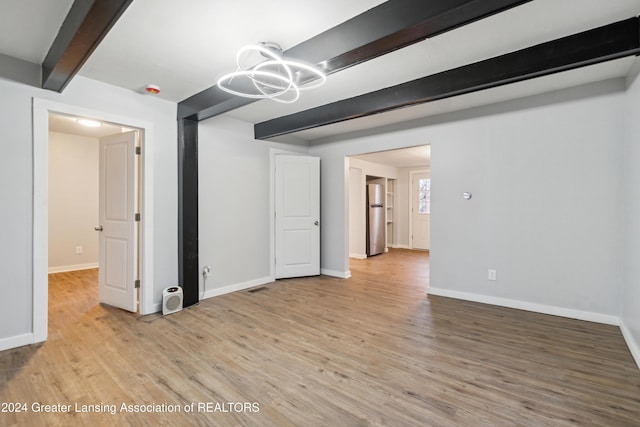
(138, 150)
(137, 217)
(136, 284)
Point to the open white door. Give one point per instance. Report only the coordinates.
(118, 227)
(421, 210)
(297, 205)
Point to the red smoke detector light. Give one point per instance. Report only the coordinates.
(152, 89)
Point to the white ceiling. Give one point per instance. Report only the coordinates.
(408, 117)
(66, 124)
(28, 27)
(527, 25)
(184, 46)
(413, 157)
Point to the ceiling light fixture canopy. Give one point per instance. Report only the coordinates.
(274, 78)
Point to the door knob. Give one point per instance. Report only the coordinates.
(316, 223)
(98, 228)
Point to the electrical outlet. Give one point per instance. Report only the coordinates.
(79, 250)
(206, 271)
(492, 275)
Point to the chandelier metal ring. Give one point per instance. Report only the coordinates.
(252, 75)
(274, 78)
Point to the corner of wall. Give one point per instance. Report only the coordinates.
(528, 306)
(634, 347)
(335, 273)
(634, 72)
(630, 294)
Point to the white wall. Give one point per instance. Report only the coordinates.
(546, 209)
(374, 169)
(357, 201)
(401, 209)
(73, 201)
(235, 208)
(15, 216)
(547, 205)
(631, 188)
(16, 188)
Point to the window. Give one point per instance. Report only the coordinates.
(424, 196)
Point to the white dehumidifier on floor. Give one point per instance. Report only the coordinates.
(171, 300)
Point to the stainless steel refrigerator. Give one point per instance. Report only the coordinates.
(375, 219)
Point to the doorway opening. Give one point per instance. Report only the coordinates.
(43, 110)
(420, 209)
(93, 204)
(394, 170)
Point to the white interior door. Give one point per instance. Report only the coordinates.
(118, 228)
(297, 216)
(421, 210)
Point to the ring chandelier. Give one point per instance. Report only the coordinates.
(274, 78)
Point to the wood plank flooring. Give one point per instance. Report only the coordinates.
(321, 351)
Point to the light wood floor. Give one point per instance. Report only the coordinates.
(371, 350)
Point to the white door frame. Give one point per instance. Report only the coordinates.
(273, 152)
(41, 110)
(412, 173)
(285, 223)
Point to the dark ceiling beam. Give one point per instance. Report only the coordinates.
(605, 43)
(391, 25)
(84, 27)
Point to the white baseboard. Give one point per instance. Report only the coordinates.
(17, 341)
(335, 273)
(401, 246)
(634, 348)
(65, 268)
(236, 287)
(358, 256)
(529, 306)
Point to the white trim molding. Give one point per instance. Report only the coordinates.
(16, 341)
(65, 268)
(334, 273)
(236, 287)
(529, 306)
